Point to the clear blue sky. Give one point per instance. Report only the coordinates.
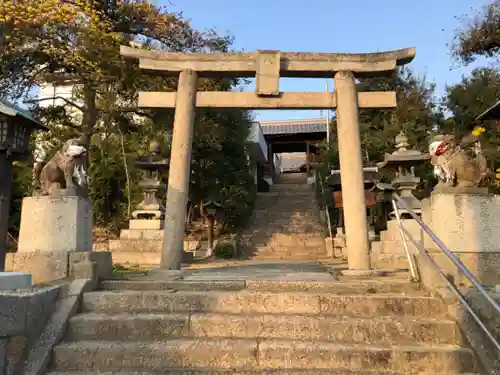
(336, 26)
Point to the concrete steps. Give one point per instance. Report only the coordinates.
(263, 302)
(347, 330)
(231, 372)
(372, 326)
(283, 218)
(343, 287)
(257, 354)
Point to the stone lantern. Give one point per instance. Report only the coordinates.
(211, 209)
(403, 161)
(153, 165)
(16, 126)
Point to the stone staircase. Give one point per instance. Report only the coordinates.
(352, 327)
(285, 225)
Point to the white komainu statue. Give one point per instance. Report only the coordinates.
(65, 170)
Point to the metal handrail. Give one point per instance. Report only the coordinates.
(452, 257)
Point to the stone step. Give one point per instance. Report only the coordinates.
(290, 212)
(285, 225)
(157, 327)
(291, 187)
(292, 241)
(352, 286)
(376, 305)
(275, 205)
(308, 257)
(283, 253)
(268, 229)
(310, 194)
(242, 372)
(258, 354)
(232, 372)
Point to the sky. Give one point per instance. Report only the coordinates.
(337, 26)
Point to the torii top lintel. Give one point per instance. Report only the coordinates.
(292, 64)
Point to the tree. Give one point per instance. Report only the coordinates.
(478, 34)
(78, 43)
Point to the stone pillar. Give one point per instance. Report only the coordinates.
(351, 172)
(179, 171)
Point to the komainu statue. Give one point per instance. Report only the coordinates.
(456, 171)
(64, 173)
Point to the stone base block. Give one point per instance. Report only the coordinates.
(135, 246)
(484, 266)
(44, 266)
(145, 259)
(142, 234)
(49, 266)
(146, 224)
(392, 243)
(15, 280)
(465, 223)
(55, 224)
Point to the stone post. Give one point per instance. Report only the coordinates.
(351, 173)
(179, 171)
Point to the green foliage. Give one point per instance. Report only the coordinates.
(87, 57)
(224, 250)
(478, 34)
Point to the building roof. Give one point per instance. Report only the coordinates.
(13, 110)
(492, 113)
(293, 126)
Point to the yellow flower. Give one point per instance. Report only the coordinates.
(478, 130)
(16, 164)
(497, 176)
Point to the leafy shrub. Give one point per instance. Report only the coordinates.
(224, 250)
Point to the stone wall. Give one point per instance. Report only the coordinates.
(25, 315)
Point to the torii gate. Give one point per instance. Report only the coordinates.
(268, 67)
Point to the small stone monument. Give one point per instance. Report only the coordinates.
(403, 161)
(56, 223)
(463, 215)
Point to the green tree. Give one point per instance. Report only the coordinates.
(478, 34)
(78, 43)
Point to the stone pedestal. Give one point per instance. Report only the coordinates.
(468, 224)
(142, 244)
(55, 224)
(55, 241)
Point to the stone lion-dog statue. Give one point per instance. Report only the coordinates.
(65, 170)
(454, 169)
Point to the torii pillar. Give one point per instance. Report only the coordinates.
(351, 174)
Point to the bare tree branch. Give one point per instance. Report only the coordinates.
(57, 98)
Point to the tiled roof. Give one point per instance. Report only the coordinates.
(293, 126)
(13, 110)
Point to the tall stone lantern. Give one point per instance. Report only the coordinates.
(153, 166)
(403, 161)
(16, 126)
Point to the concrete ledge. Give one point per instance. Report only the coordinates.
(14, 280)
(22, 310)
(38, 357)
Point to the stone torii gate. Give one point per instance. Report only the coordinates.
(268, 67)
